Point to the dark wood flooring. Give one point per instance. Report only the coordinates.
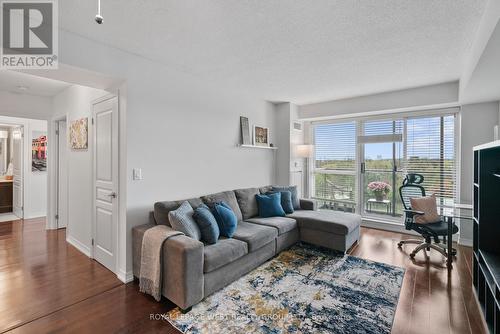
(47, 286)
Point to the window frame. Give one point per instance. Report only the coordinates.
(360, 120)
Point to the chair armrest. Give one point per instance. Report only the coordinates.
(308, 204)
(183, 279)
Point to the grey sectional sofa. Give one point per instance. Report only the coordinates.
(192, 270)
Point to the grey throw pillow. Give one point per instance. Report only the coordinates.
(247, 202)
(295, 196)
(182, 220)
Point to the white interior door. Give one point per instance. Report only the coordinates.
(17, 162)
(106, 181)
(62, 177)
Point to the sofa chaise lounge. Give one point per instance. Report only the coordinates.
(192, 270)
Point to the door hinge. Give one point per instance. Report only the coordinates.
(92, 241)
(92, 120)
(57, 132)
(362, 167)
(57, 217)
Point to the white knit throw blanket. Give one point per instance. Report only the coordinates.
(150, 279)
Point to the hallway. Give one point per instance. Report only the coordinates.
(40, 273)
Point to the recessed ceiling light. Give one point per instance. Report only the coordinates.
(22, 88)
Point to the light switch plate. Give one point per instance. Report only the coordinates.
(137, 174)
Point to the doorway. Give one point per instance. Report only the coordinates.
(62, 174)
(11, 172)
(381, 174)
(17, 168)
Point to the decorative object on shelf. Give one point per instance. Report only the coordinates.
(260, 136)
(380, 189)
(245, 131)
(79, 133)
(39, 151)
(272, 148)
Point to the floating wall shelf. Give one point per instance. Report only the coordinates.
(255, 146)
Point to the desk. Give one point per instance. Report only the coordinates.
(450, 219)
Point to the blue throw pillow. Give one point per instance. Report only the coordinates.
(286, 201)
(270, 205)
(226, 219)
(295, 197)
(207, 224)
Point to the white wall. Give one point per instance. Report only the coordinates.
(283, 142)
(181, 131)
(35, 184)
(479, 79)
(288, 138)
(75, 103)
(24, 105)
(477, 122)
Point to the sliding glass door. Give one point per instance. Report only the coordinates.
(381, 174)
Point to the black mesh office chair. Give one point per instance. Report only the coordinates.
(412, 188)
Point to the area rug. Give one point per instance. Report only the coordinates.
(305, 289)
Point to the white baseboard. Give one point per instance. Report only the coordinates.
(465, 242)
(78, 245)
(35, 215)
(386, 226)
(125, 277)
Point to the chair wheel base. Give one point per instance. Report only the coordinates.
(412, 255)
(400, 244)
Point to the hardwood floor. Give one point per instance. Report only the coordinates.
(48, 286)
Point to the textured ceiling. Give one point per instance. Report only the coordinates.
(299, 51)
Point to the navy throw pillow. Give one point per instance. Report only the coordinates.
(295, 197)
(226, 219)
(208, 225)
(270, 205)
(286, 201)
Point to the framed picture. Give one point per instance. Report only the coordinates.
(79, 134)
(39, 152)
(260, 136)
(245, 131)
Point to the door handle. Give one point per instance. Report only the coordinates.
(112, 195)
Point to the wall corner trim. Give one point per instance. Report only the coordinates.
(125, 276)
